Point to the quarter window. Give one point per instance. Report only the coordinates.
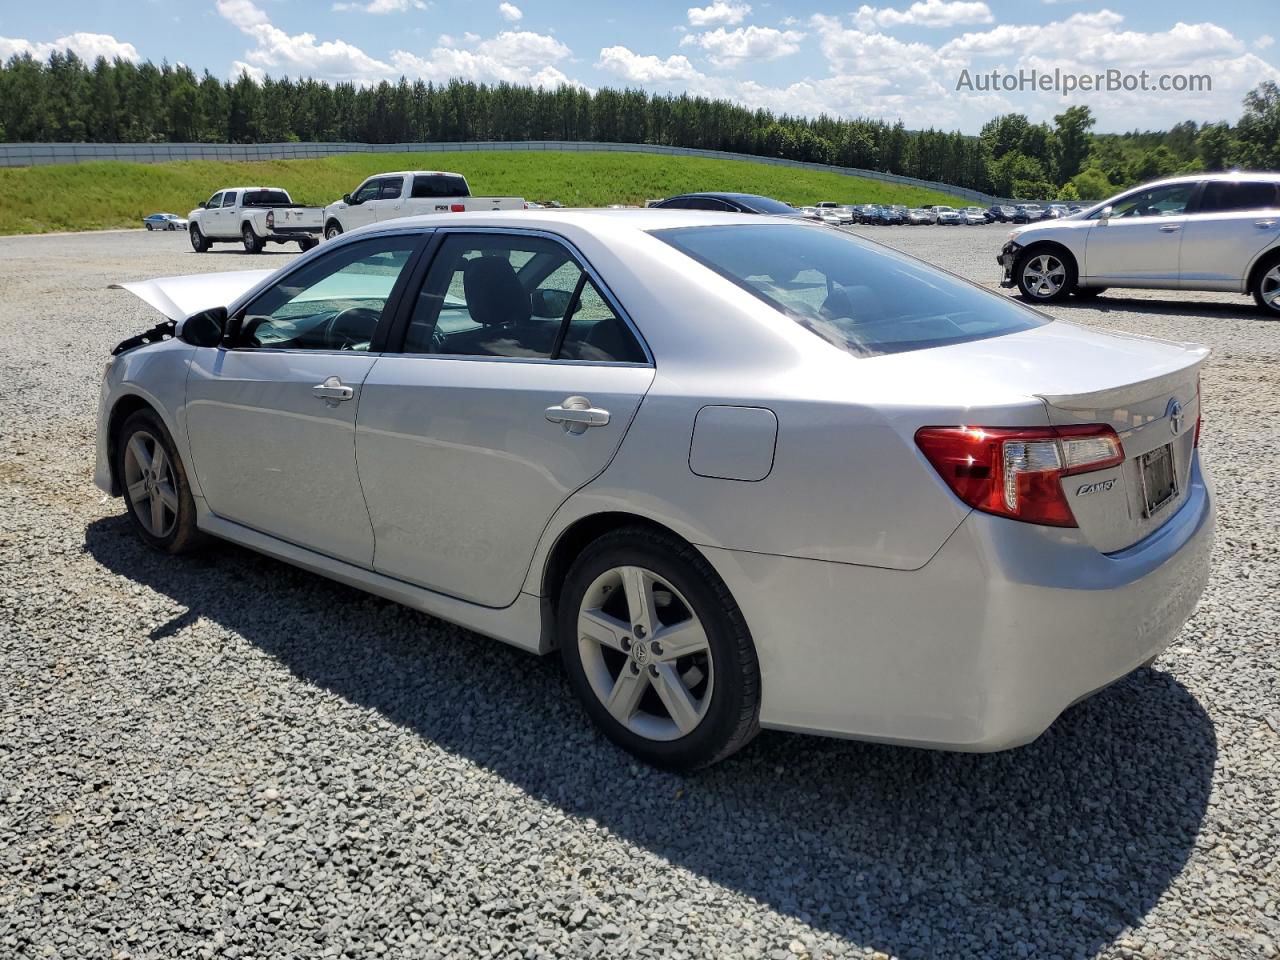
(333, 303)
(495, 295)
(1224, 196)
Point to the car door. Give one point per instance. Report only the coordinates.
(517, 378)
(209, 218)
(271, 416)
(362, 210)
(388, 206)
(1233, 222)
(228, 220)
(1139, 245)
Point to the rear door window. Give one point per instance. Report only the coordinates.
(1225, 196)
(229, 198)
(390, 188)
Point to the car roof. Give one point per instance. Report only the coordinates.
(598, 221)
(1226, 177)
(242, 189)
(414, 173)
(716, 194)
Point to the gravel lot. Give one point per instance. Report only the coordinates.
(222, 756)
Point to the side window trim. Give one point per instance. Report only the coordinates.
(400, 329)
(392, 310)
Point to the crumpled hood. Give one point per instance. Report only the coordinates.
(179, 297)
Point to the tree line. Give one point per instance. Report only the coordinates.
(65, 99)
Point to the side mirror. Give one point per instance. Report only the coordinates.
(201, 204)
(549, 304)
(204, 329)
(1106, 213)
(346, 198)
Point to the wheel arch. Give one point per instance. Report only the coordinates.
(1057, 246)
(1266, 258)
(126, 406)
(569, 544)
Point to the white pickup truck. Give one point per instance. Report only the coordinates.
(255, 216)
(408, 193)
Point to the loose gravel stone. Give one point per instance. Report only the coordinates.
(220, 756)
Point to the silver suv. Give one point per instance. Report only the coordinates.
(1202, 232)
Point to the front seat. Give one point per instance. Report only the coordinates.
(500, 304)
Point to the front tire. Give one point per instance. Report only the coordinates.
(252, 242)
(199, 243)
(1266, 288)
(155, 487)
(332, 230)
(1045, 274)
(150, 228)
(657, 650)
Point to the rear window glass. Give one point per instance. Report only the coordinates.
(439, 185)
(767, 205)
(265, 198)
(859, 296)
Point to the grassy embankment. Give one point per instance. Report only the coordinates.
(102, 195)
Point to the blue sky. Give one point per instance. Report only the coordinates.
(895, 60)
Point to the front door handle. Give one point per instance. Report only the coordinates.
(333, 391)
(577, 414)
(1170, 228)
(1264, 224)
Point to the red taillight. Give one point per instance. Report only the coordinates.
(1199, 413)
(1015, 471)
(456, 208)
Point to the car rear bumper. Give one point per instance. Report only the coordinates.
(980, 649)
(294, 233)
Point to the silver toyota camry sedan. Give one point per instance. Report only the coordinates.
(741, 472)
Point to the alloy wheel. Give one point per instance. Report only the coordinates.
(645, 653)
(1044, 275)
(148, 478)
(1269, 288)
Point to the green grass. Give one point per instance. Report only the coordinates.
(92, 196)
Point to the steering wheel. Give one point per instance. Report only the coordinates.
(352, 328)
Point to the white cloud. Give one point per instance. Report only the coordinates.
(718, 11)
(86, 46)
(514, 56)
(510, 12)
(1263, 42)
(383, 6)
(647, 70)
(517, 56)
(730, 47)
(298, 54)
(926, 13)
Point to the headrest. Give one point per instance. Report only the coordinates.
(494, 293)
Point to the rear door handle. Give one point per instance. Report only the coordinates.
(577, 414)
(333, 391)
(1170, 228)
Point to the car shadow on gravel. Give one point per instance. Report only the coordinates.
(1193, 309)
(1050, 850)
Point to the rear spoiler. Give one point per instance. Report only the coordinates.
(179, 297)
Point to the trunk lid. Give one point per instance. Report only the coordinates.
(1146, 389)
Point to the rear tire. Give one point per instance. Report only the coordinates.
(1045, 274)
(154, 483)
(678, 710)
(199, 243)
(252, 242)
(305, 245)
(1266, 287)
(332, 230)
